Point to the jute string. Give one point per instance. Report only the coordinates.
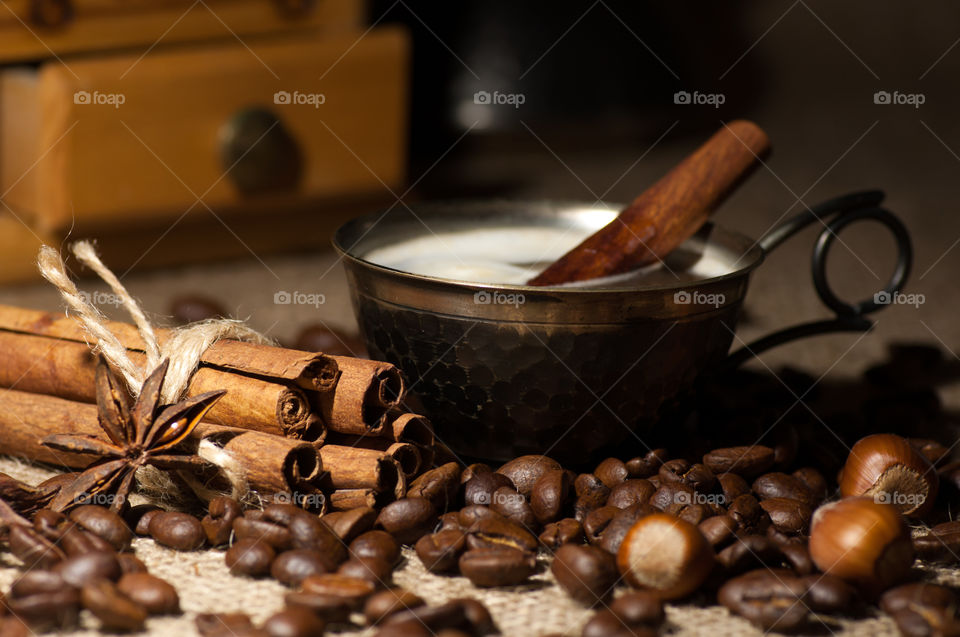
(183, 348)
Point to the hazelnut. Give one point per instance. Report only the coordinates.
(889, 469)
(665, 554)
(861, 540)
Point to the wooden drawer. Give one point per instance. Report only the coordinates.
(125, 140)
(39, 29)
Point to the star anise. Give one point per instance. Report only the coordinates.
(144, 434)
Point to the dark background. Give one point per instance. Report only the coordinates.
(599, 122)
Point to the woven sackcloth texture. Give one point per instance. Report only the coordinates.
(537, 608)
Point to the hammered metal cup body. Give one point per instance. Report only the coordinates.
(505, 370)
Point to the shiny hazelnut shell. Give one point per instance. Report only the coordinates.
(863, 541)
(890, 469)
(665, 554)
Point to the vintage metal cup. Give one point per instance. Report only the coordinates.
(504, 370)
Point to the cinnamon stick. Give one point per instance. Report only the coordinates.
(272, 464)
(346, 499)
(406, 454)
(412, 428)
(66, 369)
(357, 468)
(365, 392)
(311, 371)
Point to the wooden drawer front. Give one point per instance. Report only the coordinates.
(97, 25)
(120, 144)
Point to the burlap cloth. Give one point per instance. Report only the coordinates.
(537, 608)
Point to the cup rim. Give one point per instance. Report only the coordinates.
(752, 256)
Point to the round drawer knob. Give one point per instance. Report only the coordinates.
(259, 153)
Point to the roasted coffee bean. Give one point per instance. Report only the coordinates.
(768, 599)
(630, 492)
(223, 624)
(697, 475)
(606, 624)
(828, 594)
(477, 614)
(408, 628)
(387, 602)
(47, 610)
(408, 519)
(672, 493)
(307, 531)
(814, 481)
(587, 573)
(782, 485)
(611, 472)
(155, 595)
(179, 531)
(249, 556)
(132, 515)
(190, 308)
(254, 525)
(436, 619)
(290, 567)
(450, 522)
(591, 494)
(940, 544)
(613, 535)
(440, 485)
(326, 607)
(115, 610)
(748, 513)
(378, 544)
(748, 462)
(33, 549)
(49, 524)
(470, 514)
(440, 551)
(373, 569)
(513, 506)
(550, 495)
(353, 590)
(218, 523)
(565, 531)
(131, 564)
(143, 522)
(293, 622)
(797, 556)
(11, 626)
(479, 489)
(596, 522)
(639, 608)
(788, 516)
(497, 567)
(472, 470)
(75, 541)
(646, 465)
(921, 593)
(526, 470)
(692, 513)
(37, 581)
(496, 532)
(80, 569)
(749, 552)
(719, 530)
(103, 523)
(732, 487)
(349, 524)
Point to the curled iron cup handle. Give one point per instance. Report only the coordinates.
(849, 317)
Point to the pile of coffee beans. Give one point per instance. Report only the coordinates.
(788, 532)
(80, 561)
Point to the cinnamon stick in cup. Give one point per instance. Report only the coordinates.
(667, 213)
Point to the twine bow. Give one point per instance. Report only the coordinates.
(184, 347)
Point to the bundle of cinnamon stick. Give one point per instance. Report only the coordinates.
(294, 421)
